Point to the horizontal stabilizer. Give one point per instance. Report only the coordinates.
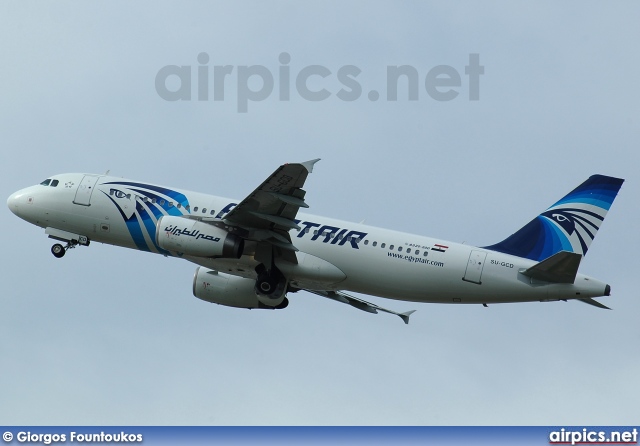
(595, 303)
(559, 268)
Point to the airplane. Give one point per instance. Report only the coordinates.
(253, 253)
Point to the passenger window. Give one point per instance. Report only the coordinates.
(204, 210)
(374, 244)
(399, 248)
(195, 209)
(212, 212)
(391, 247)
(153, 200)
(161, 202)
(187, 207)
(417, 251)
(170, 204)
(178, 205)
(366, 242)
(383, 245)
(425, 253)
(46, 182)
(54, 183)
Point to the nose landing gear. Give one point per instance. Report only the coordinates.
(59, 251)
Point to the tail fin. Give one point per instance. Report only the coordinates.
(569, 225)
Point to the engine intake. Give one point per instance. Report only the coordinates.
(195, 238)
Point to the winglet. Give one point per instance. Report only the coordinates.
(405, 316)
(309, 164)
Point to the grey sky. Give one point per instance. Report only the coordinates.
(114, 336)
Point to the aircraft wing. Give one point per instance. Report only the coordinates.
(269, 212)
(360, 304)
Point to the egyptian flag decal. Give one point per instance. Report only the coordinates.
(439, 248)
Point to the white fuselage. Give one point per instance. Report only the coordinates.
(373, 261)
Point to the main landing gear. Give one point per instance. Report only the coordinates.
(270, 283)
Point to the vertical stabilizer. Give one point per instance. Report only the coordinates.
(569, 225)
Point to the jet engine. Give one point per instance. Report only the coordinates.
(231, 291)
(195, 238)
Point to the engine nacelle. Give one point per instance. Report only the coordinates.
(195, 238)
(231, 291)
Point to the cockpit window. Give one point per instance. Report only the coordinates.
(54, 183)
(46, 182)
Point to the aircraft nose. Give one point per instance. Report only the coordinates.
(12, 203)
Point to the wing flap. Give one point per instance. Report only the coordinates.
(290, 199)
(282, 221)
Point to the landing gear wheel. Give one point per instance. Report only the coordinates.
(267, 285)
(58, 250)
(270, 286)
